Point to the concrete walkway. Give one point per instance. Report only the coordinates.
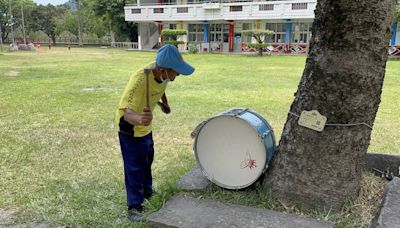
(184, 212)
(389, 216)
(190, 212)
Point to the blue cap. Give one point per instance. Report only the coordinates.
(169, 57)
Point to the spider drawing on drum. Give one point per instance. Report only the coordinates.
(248, 162)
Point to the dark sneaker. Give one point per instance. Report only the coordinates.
(135, 214)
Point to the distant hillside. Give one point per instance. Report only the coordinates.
(71, 4)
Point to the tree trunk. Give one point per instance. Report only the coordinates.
(112, 36)
(260, 51)
(343, 80)
(79, 23)
(53, 37)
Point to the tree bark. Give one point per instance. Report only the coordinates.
(260, 50)
(112, 36)
(343, 80)
(53, 37)
(79, 23)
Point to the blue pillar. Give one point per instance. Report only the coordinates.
(206, 31)
(394, 34)
(288, 30)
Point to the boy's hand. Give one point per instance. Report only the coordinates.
(146, 116)
(164, 107)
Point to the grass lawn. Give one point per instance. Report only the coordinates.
(59, 154)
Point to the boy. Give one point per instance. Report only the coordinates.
(134, 119)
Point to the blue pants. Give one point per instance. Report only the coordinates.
(138, 154)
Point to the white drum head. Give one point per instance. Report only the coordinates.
(230, 152)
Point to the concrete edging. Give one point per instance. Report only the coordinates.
(389, 215)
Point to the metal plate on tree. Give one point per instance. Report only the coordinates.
(312, 120)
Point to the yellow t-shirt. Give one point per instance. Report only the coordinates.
(134, 97)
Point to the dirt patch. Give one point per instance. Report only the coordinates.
(11, 74)
(7, 219)
(93, 89)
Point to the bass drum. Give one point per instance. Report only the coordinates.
(234, 148)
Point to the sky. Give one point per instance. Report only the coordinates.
(53, 2)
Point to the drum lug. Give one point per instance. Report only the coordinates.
(265, 134)
(241, 112)
(265, 168)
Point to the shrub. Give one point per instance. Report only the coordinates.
(260, 36)
(193, 48)
(173, 42)
(174, 32)
(171, 36)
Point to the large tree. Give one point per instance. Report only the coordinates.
(343, 80)
(16, 12)
(44, 18)
(112, 12)
(78, 6)
(90, 24)
(4, 16)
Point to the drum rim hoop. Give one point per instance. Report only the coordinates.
(232, 115)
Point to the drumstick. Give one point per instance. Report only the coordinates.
(147, 72)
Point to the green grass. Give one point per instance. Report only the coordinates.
(59, 156)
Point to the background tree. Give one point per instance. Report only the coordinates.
(112, 13)
(44, 18)
(28, 6)
(4, 16)
(343, 82)
(260, 36)
(90, 23)
(79, 22)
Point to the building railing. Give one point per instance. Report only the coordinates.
(394, 51)
(131, 45)
(59, 41)
(300, 9)
(279, 48)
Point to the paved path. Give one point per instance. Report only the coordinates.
(188, 212)
(389, 216)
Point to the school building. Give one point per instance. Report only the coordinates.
(216, 25)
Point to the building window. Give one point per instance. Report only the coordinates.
(182, 10)
(172, 26)
(266, 7)
(247, 26)
(299, 6)
(136, 11)
(219, 33)
(225, 32)
(158, 10)
(279, 32)
(301, 33)
(196, 33)
(215, 33)
(168, 2)
(235, 8)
